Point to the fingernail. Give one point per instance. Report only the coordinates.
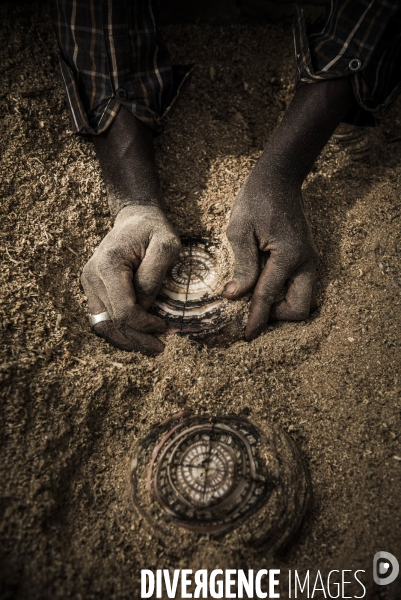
(230, 288)
(160, 327)
(250, 335)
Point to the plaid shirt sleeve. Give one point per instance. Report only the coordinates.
(112, 53)
(360, 39)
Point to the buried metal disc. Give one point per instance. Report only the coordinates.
(220, 476)
(190, 299)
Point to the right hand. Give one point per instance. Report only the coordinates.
(124, 276)
(268, 216)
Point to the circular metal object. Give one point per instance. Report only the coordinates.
(122, 94)
(190, 299)
(95, 319)
(220, 476)
(194, 274)
(206, 475)
(355, 64)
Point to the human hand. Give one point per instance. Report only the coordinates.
(268, 216)
(124, 275)
(268, 213)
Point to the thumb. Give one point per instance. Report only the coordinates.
(246, 267)
(160, 255)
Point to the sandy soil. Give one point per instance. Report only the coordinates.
(73, 408)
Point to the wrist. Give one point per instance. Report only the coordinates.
(140, 210)
(116, 204)
(315, 112)
(273, 179)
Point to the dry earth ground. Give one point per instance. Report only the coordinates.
(73, 408)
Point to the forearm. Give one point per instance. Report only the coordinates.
(126, 156)
(313, 115)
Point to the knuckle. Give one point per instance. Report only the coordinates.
(299, 313)
(285, 264)
(302, 314)
(88, 274)
(170, 247)
(105, 264)
(292, 253)
(124, 314)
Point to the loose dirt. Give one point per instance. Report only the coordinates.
(73, 408)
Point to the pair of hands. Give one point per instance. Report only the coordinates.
(126, 271)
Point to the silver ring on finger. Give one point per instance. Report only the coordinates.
(95, 319)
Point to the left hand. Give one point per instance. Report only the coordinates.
(124, 275)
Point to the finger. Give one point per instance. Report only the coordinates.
(153, 268)
(271, 280)
(246, 267)
(117, 280)
(129, 340)
(95, 304)
(296, 305)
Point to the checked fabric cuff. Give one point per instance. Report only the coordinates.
(360, 39)
(112, 54)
